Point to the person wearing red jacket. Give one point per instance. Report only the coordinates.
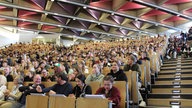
(111, 93)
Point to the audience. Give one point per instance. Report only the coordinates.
(67, 64)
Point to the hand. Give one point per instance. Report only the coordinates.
(30, 87)
(7, 93)
(71, 95)
(39, 89)
(51, 92)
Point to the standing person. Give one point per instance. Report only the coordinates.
(81, 88)
(111, 93)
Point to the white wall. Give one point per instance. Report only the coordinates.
(26, 36)
(7, 37)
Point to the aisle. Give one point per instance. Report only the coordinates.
(173, 86)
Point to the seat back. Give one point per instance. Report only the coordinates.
(33, 101)
(73, 83)
(92, 103)
(106, 70)
(49, 84)
(148, 71)
(143, 75)
(122, 86)
(95, 85)
(61, 101)
(10, 85)
(133, 85)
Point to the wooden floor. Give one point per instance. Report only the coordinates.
(173, 85)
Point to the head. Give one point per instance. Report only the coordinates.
(44, 72)
(18, 80)
(6, 70)
(115, 67)
(37, 79)
(131, 60)
(80, 80)
(108, 82)
(76, 71)
(61, 77)
(96, 69)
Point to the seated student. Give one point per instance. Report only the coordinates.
(72, 76)
(3, 82)
(96, 75)
(117, 73)
(45, 76)
(11, 97)
(81, 88)
(111, 93)
(62, 86)
(7, 74)
(31, 88)
(132, 65)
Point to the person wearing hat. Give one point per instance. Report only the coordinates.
(62, 86)
(81, 88)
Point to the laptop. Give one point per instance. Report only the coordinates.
(95, 96)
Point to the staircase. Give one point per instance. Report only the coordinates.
(173, 86)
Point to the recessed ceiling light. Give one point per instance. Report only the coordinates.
(84, 7)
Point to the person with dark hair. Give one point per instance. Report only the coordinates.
(62, 86)
(112, 93)
(117, 73)
(81, 88)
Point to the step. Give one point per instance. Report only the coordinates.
(172, 86)
(175, 67)
(174, 82)
(171, 90)
(174, 76)
(175, 71)
(170, 102)
(172, 79)
(170, 96)
(182, 61)
(182, 64)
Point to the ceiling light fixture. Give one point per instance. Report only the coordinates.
(84, 7)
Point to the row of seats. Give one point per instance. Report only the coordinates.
(129, 91)
(35, 101)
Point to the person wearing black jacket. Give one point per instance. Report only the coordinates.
(117, 73)
(62, 86)
(31, 88)
(81, 89)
